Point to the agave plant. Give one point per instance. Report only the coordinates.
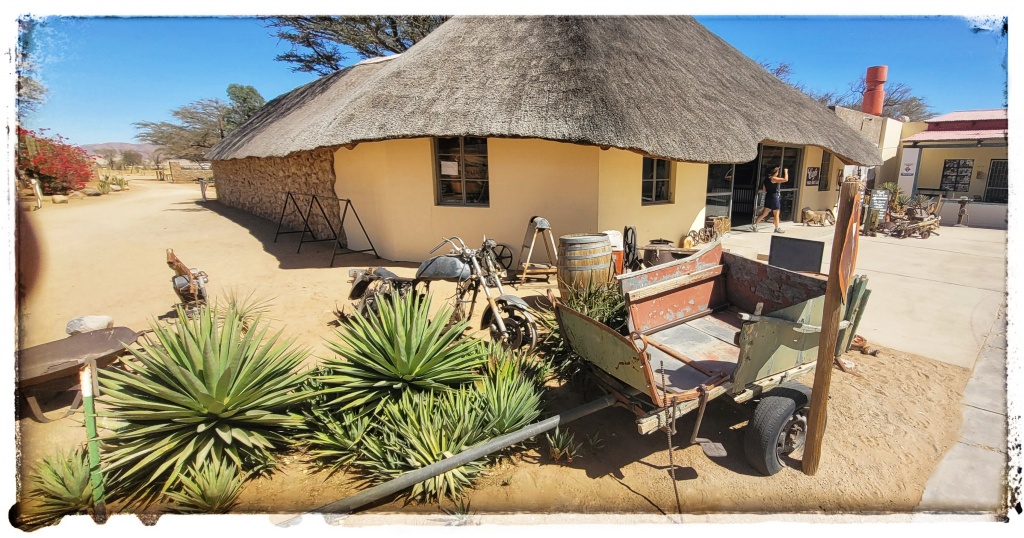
(204, 390)
(212, 487)
(900, 202)
(563, 444)
(398, 349)
(602, 302)
(421, 428)
(893, 188)
(501, 361)
(60, 487)
(248, 308)
(512, 399)
(336, 443)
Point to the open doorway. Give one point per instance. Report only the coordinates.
(732, 188)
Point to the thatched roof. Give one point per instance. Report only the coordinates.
(663, 86)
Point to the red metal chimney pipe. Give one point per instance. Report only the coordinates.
(874, 91)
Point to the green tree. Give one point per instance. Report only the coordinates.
(199, 126)
(245, 101)
(109, 155)
(31, 92)
(318, 42)
(131, 158)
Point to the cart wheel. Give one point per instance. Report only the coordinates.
(778, 427)
(925, 233)
(503, 255)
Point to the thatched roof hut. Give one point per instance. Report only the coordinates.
(663, 86)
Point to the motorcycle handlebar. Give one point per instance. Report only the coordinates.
(451, 240)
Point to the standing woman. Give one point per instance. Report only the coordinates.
(773, 200)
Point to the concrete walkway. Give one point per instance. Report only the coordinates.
(943, 298)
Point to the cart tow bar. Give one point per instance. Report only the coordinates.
(711, 450)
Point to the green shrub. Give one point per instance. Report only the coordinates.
(211, 488)
(206, 389)
(399, 348)
(511, 397)
(421, 428)
(60, 487)
(336, 443)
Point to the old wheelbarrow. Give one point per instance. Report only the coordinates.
(53, 367)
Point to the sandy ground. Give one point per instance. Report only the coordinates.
(887, 428)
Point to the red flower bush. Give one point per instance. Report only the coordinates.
(60, 167)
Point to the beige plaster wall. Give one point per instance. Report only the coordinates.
(810, 196)
(889, 146)
(621, 206)
(391, 184)
(929, 173)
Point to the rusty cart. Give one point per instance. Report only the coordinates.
(710, 325)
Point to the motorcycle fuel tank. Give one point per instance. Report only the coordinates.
(450, 268)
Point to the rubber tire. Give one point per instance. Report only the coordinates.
(770, 416)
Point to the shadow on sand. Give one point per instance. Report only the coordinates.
(287, 247)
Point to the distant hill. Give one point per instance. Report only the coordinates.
(144, 149)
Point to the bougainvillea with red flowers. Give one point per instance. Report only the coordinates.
(59, 166)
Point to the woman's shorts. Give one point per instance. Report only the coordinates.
(773, 201)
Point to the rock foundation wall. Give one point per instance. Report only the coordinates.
(188, 175)
(259, 186)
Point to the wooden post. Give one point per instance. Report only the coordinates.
(839, 272)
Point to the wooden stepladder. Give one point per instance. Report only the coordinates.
(538, 227)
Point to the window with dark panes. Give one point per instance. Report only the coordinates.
(462, 171)
(823, 174)
(656, 181)
(956, 174)
(719, 196)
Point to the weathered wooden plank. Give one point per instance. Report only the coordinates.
(660, 418)
(699, 346)
(749, 282)
(761, 385)
(710, 256)
(671, 308)
(602, 347)
(674, 284)
(774, 345)
(678, 376)
(716, 325)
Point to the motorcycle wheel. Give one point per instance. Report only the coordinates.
(520, 329)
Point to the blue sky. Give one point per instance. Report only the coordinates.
(103, 74)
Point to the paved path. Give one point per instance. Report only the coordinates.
(943, 298)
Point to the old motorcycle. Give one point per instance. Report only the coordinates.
(507, 316)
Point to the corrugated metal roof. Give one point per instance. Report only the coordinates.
(972, 115)
(932, 136)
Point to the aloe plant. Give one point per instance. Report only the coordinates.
(212, 487)
(512, 399)
(421, 428)
(563, 444)
(204, 390)
(60, 487)
(398, 348)
(336, 443)
(602, 302)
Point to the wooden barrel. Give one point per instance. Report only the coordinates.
(582, 259)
